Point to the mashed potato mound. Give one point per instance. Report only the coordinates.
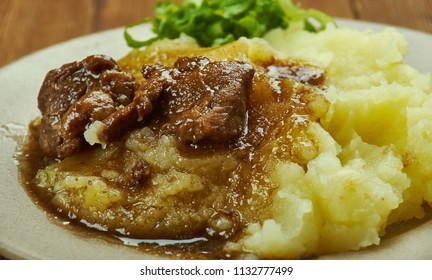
(374, 168)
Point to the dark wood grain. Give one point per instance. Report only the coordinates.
(114, 13)
(27, 26)
(335, 8)
(411, 14)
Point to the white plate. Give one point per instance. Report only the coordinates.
(26, 232)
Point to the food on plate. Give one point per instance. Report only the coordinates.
(214, 121)
(294, 145)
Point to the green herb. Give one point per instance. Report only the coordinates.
(217, 22)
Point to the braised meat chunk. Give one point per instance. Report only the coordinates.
(202, 101)
(93, 100)
(76, 94)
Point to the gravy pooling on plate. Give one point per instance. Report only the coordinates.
(172, 142)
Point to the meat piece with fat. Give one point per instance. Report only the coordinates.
(76, 94)
(202, 101)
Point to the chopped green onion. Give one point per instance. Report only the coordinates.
(217, 22)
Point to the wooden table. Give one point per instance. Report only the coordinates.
(27, 26)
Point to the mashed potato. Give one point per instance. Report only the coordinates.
(374, 168)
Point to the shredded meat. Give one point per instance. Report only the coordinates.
(133, 176)
(93, 100)
(120, 121)
(76, 94)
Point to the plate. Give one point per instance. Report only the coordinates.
(26, 232)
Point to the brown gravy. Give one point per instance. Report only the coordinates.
(281, 103)
(31, 158)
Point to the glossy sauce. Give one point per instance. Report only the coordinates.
(279, 110)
